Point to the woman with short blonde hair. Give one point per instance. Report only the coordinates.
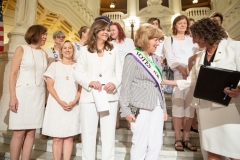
(142, 99)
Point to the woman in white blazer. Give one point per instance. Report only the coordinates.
(98, 67)
(219, 126)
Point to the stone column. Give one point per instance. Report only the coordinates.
(132, 7)
(176, 6)
(25, 16)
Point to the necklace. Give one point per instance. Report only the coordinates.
(35, 67)
(210, 53)
(54, 53)
(67, 77)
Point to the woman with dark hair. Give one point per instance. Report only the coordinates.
(98, 68)
(155, 21)
(219, 126)
(83, 35)
(178, 49)
(141, 91)
(27, 92)
(124, 45)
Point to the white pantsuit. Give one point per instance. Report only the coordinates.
(104, 69)
(147, 131)
(89, 123)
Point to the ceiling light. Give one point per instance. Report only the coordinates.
(112, 5)
(195, 1)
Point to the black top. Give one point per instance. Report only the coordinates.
(206, 62)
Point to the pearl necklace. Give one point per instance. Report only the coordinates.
(210, 54)
(35, 67)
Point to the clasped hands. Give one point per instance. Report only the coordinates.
(67, 106)
(98, 86)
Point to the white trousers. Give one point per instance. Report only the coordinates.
(89, 124)
(147, 137)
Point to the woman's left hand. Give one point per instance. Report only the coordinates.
(233, 93)
(165, 116)
(72, 104)
(109, 87)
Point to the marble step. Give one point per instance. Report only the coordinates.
(167, 153)
(122, 136)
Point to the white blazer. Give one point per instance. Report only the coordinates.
(227, 57)
(104, 69)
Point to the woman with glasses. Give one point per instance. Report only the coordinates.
(98, 68)
(53, 52)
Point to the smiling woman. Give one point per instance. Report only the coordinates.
(98, 68)
(27, 91)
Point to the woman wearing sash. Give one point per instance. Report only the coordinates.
(219, 126)
(98, 68)
(53, 52)
(142, 91)
(178, 49)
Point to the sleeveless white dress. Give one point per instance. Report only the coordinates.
(30, 90)
(58, 122)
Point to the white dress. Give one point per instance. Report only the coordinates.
(30, 91)
(58, 122)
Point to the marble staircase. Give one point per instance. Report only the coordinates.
(42, 148)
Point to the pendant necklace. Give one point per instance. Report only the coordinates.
(67, 77)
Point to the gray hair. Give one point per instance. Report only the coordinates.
(57, 33)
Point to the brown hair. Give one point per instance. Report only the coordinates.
(216, 14)
(177, 19)
(150, 21)
(82, 29)
(208, 30)
(121, 34)
(144, 33)
(61, 47)
(34, 33)
(91, 42)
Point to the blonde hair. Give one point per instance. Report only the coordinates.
(61, 47)
(144, 33)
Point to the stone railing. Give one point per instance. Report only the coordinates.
(197, 13)
(114, 15)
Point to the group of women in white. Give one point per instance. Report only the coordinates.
(95, 63)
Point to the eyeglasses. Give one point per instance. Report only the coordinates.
(63, 37)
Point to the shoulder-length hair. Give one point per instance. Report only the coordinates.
(208, 30)
(177, 19)
(34, 33)
(91, 42)
(121, 34)
(144, 33)
(61, 47)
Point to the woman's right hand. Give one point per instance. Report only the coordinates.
(130, 118)
(13, 104)
(96, 85)
(64, 105)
